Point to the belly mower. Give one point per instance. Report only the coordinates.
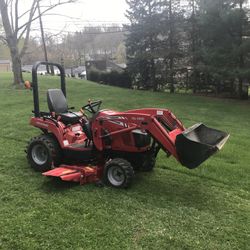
(109, 145)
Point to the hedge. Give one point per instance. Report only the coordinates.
(114, 78)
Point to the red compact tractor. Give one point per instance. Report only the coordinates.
(108, 146)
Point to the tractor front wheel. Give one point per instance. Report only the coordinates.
(43, 152)
(144, 162)
(118, 173)
(148, 163)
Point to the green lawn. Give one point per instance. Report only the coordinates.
(170, 208)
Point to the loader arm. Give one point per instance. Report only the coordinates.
(161, 124)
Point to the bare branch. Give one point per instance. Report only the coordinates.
(61, 15)
(5, 19)
(8, 2)
(16, 15)
(45, 11)
(57, 34)
(32, 13)
(11, 15)
(24, 14)
(22, 33)
(27, 28)
(3, 38)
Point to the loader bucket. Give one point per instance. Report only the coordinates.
(198, 143)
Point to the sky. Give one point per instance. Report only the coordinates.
(73, 17)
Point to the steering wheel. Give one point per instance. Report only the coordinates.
(92, 107)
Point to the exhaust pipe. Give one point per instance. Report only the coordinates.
(197, 143)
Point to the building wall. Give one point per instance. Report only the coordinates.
(5, 67)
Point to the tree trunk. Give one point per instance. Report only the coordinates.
(171, 43)
(11, 38)
(17, 70)
(241, 57)
(193, 45)
(155, 88)
(240, 88)
(16, 67)
(151, 45)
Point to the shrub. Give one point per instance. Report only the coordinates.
(93, 75)
(114, 78)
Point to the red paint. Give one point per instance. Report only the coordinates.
(82, 174)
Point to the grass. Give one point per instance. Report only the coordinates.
(170, 208)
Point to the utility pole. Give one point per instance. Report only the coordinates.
(62, 61)
(43, 38)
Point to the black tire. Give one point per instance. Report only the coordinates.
(148, 163)
(43, 152)
(118, 173)
(144, 162)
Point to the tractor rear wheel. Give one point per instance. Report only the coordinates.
(118, 173)
(43, 152)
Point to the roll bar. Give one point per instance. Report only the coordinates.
(35, 83)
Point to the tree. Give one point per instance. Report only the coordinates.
(91, 43)
(154, 44)
(171, 43)
(193, 38)
(244, 46)
(142, 41)
(17, 27)
(225, 44)
(212, 39)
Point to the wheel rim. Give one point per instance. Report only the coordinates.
(39, 154)
(116, 176)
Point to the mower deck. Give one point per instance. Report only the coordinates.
(82, 174)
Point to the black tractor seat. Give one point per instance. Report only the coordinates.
(57, 103)
(70, 117)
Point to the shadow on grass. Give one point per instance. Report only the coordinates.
(150, 190)
(192, 174)
(56, 185)
(194, 193)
